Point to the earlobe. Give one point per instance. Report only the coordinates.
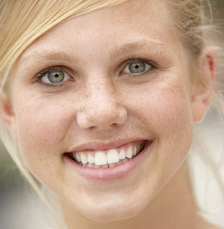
(7, 114)
(204, 87)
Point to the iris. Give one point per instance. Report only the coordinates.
(137, 67)
(56, 76)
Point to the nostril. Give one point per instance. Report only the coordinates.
(92, 127)
(114, 125)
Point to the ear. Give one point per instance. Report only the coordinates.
(204, 87)
(7, 114)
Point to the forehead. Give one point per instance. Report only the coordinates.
(128, 22)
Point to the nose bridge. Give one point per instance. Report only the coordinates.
(103, 94)
(102, 106)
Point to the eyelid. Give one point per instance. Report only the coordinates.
(149, 62)
(41, 75)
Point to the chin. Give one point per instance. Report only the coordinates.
(111, 212)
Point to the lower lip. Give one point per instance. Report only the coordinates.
(114, 173)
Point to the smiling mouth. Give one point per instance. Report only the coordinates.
(108, 158)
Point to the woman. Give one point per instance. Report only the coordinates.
(101, 98)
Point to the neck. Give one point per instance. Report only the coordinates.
(172, 208)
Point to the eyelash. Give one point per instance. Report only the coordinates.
(153, 66)
(39, 77)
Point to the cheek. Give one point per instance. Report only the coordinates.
(165, 109)
(166, 114)
(42, 126)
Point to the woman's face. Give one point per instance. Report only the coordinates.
(110, 82)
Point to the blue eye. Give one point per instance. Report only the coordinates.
(54, 77)
(137, 67)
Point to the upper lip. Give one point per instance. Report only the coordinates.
(94, 146)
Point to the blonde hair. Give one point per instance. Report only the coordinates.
(22, 22)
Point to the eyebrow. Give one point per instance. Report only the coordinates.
(47, 55)
(54, 55)
(142, 44)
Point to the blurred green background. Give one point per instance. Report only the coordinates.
(13, 189)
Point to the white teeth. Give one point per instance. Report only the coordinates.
(83, 158)
(91, 158)
(122, 154)
(76, 156)
(124, 160)
(138, 148)
(112, 156)
(120, 162)
(90, 165)
(112, 165)
(135, 150)
(129, 152)
(100, 158)
(107, 159)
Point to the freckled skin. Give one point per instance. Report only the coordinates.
(101, 105)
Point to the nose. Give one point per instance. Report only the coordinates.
(102, 107)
